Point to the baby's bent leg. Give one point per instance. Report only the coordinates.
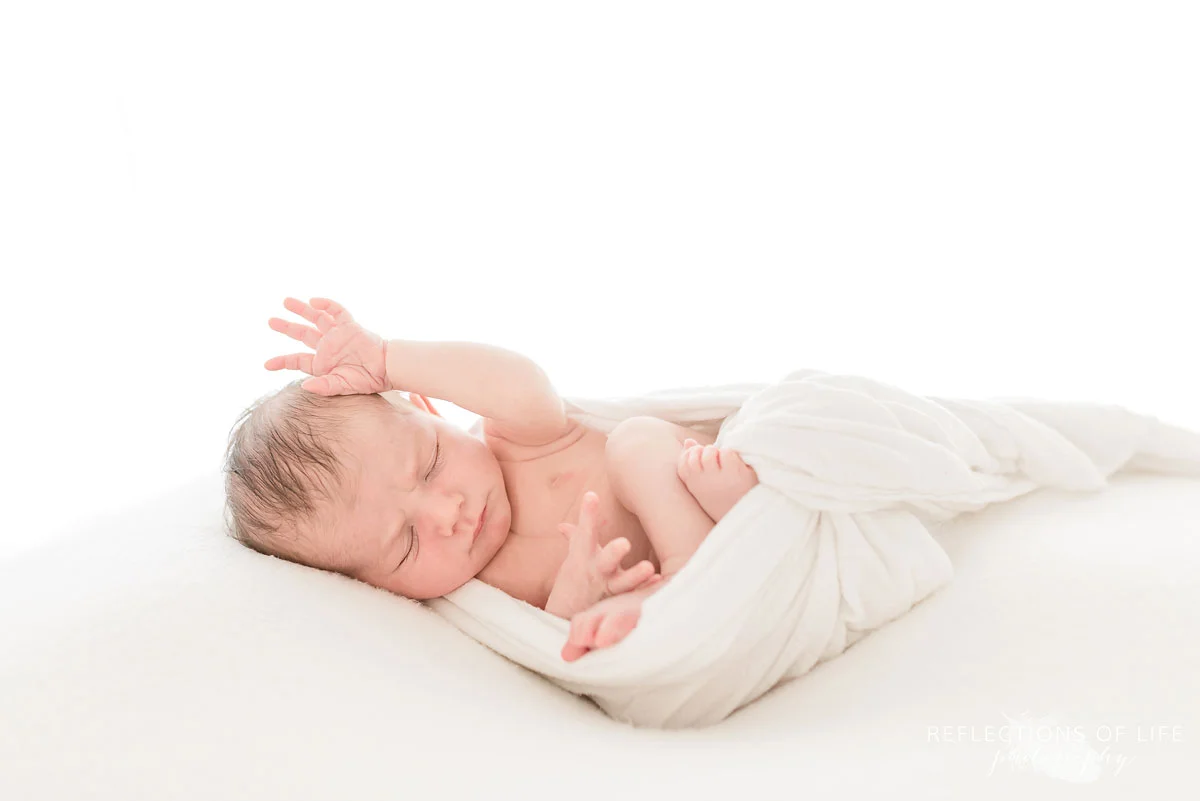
(642, 458)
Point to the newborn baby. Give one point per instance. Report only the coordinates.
(341, 472)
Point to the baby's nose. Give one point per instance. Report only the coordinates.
(449, 516)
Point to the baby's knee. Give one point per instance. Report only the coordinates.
(635, 438)
(637, 450)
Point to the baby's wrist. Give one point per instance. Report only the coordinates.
(557, 606)
(562, 602)
(387, 374)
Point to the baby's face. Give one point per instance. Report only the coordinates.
(412, 525)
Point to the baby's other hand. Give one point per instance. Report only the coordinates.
(591, 573)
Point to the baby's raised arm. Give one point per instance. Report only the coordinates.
(507, 389)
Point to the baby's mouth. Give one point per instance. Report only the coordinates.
(479, 526)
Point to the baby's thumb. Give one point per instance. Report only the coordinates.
(317, 386)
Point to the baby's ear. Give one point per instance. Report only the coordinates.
(422, 402)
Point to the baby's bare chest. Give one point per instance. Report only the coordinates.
(546, 492)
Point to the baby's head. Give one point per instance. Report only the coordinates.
(348, 484)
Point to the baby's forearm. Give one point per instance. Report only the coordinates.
(485, 379)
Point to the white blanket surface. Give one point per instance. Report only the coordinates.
(833, 543)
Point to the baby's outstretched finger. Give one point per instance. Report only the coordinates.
(323, 320)
(640, 575)
(293, 361)
(335, 309)
(611, 555)
(297, 331)
(588, 510)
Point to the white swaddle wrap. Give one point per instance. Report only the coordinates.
(833, 542)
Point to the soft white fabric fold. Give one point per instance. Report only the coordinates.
(832, 544)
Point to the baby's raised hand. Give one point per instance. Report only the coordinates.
(591, 573)
(349, 359)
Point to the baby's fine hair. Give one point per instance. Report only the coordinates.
(286, 472)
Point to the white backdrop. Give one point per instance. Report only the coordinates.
(962, 201)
